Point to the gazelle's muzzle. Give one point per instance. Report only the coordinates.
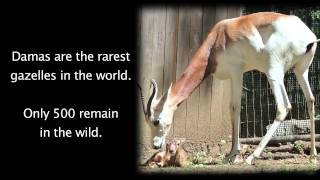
(158, 142)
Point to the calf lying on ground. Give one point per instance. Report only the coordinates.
(174, 155)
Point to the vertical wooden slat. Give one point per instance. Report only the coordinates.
(182, 62)
(171, 37)
(145, 63)
(204, 128)
(234, 11)
(158, 46)
(216, 121)
(220, 100)
(193, 101)
(170, 62)
(221, 12)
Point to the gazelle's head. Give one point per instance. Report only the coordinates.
(160, 114)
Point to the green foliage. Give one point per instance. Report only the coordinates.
(269, 155)
(315, 15)
(318, 112)
(198, 157)
(312, 164)
(298, 147)
(219, 160)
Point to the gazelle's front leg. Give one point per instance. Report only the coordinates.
(235, 107)
(283, 107)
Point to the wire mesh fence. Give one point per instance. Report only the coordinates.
(258, 108)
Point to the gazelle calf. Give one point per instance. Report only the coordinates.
(174, 155)
(269, 42)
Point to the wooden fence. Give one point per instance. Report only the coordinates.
(167, 39)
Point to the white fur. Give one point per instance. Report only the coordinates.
(272, 50)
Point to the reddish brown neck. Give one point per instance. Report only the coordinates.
(194, 73)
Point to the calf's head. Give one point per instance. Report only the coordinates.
(172, 146)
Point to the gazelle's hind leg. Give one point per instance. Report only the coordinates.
(235, 107)
(302, 77)
(283, 107)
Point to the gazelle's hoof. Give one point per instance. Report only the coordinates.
(250, 160)
(233, 159)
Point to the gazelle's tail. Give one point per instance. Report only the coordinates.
(310, 45)
(317, 41)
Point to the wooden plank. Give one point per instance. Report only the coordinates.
(158, 46)
(219, 123)
(182, 62)
(145, 64)
(147, 31)
(279, 139)
(209, 14)
(234, 11)
(204, 128)
(305, 146)
(221, 13)
(171, 38)
(170, 62)
(216, 121)
(195, 36)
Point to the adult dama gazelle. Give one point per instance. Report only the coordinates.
(269, 42)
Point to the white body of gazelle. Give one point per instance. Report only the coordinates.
(269, 42)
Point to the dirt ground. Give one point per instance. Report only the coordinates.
(288, 166)
(204, 158)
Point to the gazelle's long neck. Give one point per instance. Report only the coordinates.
(194, 73)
